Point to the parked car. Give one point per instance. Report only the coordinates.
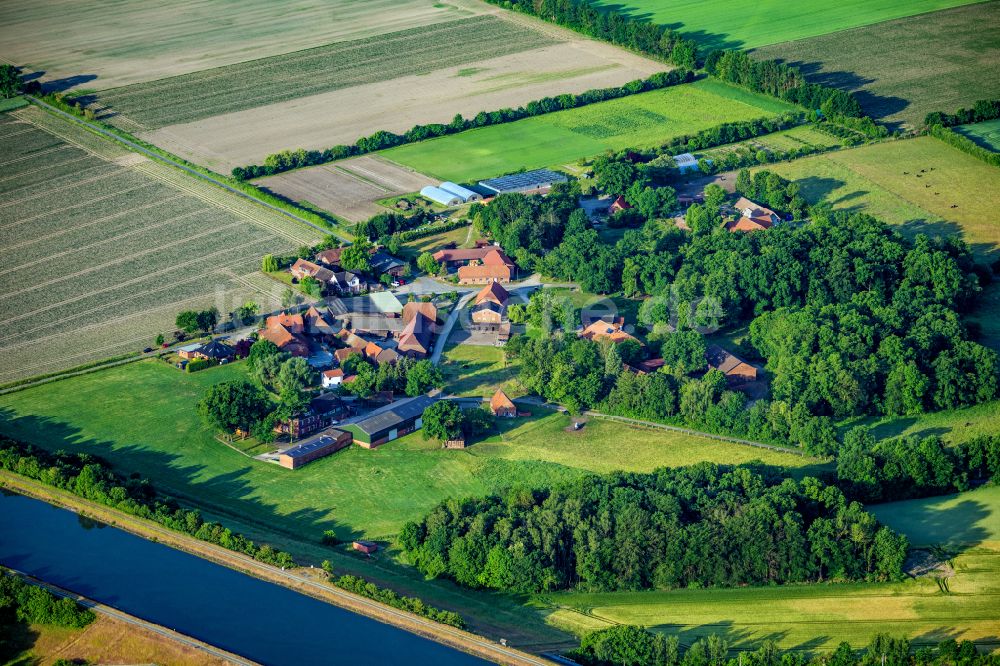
(147, 350)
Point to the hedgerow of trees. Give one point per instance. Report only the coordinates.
(365, 588)
(22, 602)
(91, 478)
(629, 645)
(382, 139)
(704, 525)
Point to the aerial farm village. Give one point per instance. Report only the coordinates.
(561, 331)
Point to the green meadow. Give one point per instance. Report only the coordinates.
(643, 120)
(142, 418)
(750, 23)
(965, 605)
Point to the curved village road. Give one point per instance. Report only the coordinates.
(442, 633)
(169, 634)
(162, 158)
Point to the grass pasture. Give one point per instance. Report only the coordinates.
(901, 70)
(985, 134)
(818, 617)
(746, 24)
(100, 248)
(142, 417)
(566, 136)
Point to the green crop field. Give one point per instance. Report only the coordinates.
(194, 96)
(100, 248)
(746, 23)
(818, 617)
(798, 137)
(902, 70)
(640, 120)
(142, 417)
(985, 134)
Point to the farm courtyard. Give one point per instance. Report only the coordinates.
(101, 247)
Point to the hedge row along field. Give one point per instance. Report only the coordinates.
(101, 247)
(641, 121)
(986, 135)
(902, 70)
(741, 24)
(287, 160)
(191, 97)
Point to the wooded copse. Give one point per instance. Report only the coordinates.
(629, 645)
(32, 604)
(850, 316)
(91, 478)
(287, 160)
(704, 525)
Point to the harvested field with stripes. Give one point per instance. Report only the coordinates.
(100, 248)
(348, 188)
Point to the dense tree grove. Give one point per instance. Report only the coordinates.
(780, 80)
(909, 467)
(23, 602)
(628, 645)
(93, 479)
(699, 525)
(981, 111)
(382, 139)
(405, 376)
(850, 317)
(612, 26)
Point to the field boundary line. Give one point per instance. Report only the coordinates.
(689, 431)
(135, 281)
(173, 163)
(57, 211)
(108, 239)
(187, 187)
(86, 181)
(66, 230)
(360, 178)
(47, 166)
(120, 260)
(32, 156)
(134, 620)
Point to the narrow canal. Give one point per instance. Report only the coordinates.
(262, 621)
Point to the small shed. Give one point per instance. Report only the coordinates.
(443, 197)
(366, 547)
(502, 406)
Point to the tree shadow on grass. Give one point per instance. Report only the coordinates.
(955, 526)
(707, 41)
(818, 188)
(192, 485)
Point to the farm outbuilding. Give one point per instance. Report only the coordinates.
(384, 425)
(443, 197)
(539, 180)
(459, 191)
(331, 441)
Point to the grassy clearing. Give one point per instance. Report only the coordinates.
(985, 134)
(954, 426)
(475, 370)
(462, 237)
(913, 183)
(818, 617)
(902, 70)
(9, 104)
(106, 641)
(198, 95)
(793, 139)
(566, 136)
(743, 24)
(142, 418)
(101, 247)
